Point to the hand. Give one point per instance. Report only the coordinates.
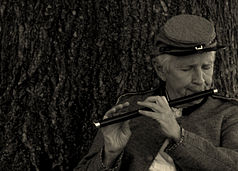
(163, 114)
(116, 135)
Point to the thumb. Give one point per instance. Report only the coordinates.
(126, 128)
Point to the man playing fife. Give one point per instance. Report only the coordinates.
(200, 135)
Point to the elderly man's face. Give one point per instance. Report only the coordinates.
(189, 74)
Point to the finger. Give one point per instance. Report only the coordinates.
(126, 127)
(126, 104)
(120, 106)
(150, 105)
(150, 114)
(116, 108)
(160, 100)
(151, 99)
(105, 116)
(112, 110)
(164, 99)
(162, 119)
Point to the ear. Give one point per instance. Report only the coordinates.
(160, 71)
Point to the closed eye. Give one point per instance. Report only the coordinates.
(207, 67)
(187, 69)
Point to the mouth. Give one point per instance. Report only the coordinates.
(192, 91)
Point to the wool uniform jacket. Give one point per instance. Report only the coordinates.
(210, 139)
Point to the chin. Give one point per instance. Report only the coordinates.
(193, 91)
(194, 102)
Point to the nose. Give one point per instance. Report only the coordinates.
(198, 76)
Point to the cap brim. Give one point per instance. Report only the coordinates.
(185, 51)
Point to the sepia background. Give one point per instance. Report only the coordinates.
(63, 64)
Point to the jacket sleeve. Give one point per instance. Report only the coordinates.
(197, 153)
(93, 160)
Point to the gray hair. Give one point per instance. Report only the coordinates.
(162, 62)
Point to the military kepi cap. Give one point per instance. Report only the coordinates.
(186, 34)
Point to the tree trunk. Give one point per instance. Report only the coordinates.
(64, 63)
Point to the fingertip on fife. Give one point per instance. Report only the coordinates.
(127, 103)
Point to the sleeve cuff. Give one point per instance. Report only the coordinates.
(173, 145)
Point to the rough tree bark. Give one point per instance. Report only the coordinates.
(64, 63)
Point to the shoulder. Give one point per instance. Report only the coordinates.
(225, 100)
(132, 96)
(226, 106)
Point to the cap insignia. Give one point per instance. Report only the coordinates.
(200, 47)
